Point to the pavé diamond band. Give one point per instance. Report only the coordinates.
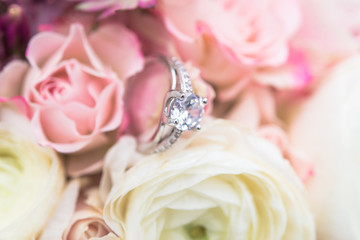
(182, 110)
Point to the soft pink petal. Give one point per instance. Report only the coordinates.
(146, 3)
(289, 8)
(12, 77)
(246, 112)
(302, 164)
(76, 46)
(42, 46)
(119, 48)
(22, 105)
(152, 33)
(144, 98)
(81, 79)
(110, 107)
(82, 116)
(231, 92)
(254, 107)
(53, 128)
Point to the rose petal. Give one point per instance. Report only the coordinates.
(37, 54)
(114, 43)
(45, 122)
(11, 78)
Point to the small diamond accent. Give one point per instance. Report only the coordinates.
(186, 114)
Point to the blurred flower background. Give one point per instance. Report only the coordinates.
(78, 94)
(22, 19)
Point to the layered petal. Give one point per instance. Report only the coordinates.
(224, 183)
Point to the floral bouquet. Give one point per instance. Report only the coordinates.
(179, 120)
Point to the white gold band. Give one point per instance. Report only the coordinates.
(182, 110)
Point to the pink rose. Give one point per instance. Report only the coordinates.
(87, 221)
(226, 39)
(76, 84)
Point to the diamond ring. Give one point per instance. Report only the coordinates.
(182, 110)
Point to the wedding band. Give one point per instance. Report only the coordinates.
(182, 109)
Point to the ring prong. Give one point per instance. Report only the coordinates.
(198, 127)
(175, 94)
(204, 101)
(182, 96)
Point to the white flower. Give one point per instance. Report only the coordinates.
(328, 130)
(31, 178)
(224, 183)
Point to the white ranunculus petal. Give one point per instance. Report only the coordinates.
(334, 112)
(178, 218)
(31, 178)
(189, 200)
(218, 190)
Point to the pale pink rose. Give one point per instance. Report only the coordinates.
(76, 84)
(329, 33)
(79, 214)
(87, 221)
(227, 38)
(109, 7)
(145, 95)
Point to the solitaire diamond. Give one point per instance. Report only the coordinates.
(185, 114)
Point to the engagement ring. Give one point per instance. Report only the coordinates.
(182, 109)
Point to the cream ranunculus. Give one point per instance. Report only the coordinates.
(31, 177)
(327, 129)
(224, 183)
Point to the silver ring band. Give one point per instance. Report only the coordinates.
(182, 110)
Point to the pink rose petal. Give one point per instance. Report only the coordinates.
(11, 78)
(106, 43)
